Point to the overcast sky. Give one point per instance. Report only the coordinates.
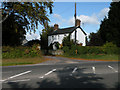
(90, 14)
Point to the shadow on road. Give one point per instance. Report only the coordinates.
(77, 80)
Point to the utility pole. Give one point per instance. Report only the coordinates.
(75, 14)
(75, 24)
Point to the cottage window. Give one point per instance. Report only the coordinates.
(65, 35)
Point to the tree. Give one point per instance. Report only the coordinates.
(30, 13)
(32, 42)
(67, 42)
(17, 17)
(12, 31)
(44, 37)
(110, 27)
(95, 39)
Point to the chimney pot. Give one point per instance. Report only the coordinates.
(56, 26)
(78, 21)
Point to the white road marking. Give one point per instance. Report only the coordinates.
(74, 70)
(2, 80)
(16, 75)
(112, 68)
(19, 74)
(41, 77)
(50, 72)
(18, 80)
(93, 69)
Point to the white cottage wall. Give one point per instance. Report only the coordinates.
(56, 38)
(81, 37)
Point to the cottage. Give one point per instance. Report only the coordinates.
(77, 34)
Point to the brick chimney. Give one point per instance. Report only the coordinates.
(56, 26)
(78, 22)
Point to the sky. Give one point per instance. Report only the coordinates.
(90, 14)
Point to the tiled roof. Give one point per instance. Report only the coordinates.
(66, 30)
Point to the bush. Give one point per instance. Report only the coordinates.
(82, 50)
(106, 49)
(94, 50)
(20, 52)
(67, 42)
(110, 48)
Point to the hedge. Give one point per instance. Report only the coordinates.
(20, 52)
(91, 50)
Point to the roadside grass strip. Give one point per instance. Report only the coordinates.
(16, 75)
(112, 68)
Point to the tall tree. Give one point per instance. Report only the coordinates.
(30, 13)
(20, 16)
(110, 27)
(12, 31)
(44, 37)
(95, 39)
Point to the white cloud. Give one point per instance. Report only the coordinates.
(57, 16)
(85, 19)
(103, 12)
(59, 19)
(94, 19)
(32, 36)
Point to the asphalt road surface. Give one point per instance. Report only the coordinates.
(62, 73)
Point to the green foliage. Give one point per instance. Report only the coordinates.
(94, 50)
(82, 50)
(32, 42)
(95, 39)
(20, 52)
(109, 45)
(44, 37)
(67, 42)
(110, 48)
(57, 45)
(110, 27)
(21, 16)
(12, 31)
(29, 13)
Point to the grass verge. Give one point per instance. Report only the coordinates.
(23, 61)
(95, 57)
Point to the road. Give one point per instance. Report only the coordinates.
(62, 73)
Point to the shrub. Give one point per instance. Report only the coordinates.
(91, 50)
(94, 50)
(110, 48)
(67, 42)
(66, 49)
(82, 50)
(20, 52)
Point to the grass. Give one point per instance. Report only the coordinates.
(23, 61)
(96, 57)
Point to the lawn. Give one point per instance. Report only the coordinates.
(23, 61)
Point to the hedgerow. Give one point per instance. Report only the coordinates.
(108, 48)
(20, 52)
